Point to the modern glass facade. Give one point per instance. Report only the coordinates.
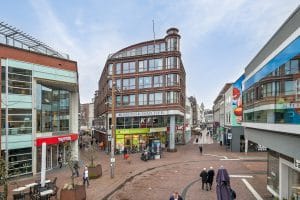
(276, 97)
(26, 97)
(271, 106)
(53, 107)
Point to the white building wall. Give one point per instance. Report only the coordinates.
(228, 106)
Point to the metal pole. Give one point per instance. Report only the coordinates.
(6, 115)
(113, 128)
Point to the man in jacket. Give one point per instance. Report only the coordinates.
(210, 178)
(204, 177)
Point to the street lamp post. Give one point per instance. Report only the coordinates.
(113, 129)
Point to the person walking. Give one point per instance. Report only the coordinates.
(76, 168)
(125, 153)
(201, 149)
(60, 160)
(204, 177)
(176, 196)
(210, 178)
(86, 176)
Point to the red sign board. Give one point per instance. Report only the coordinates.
(56, 139)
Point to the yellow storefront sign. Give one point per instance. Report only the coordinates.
(132, 131)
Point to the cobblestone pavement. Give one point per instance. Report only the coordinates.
(156, 179)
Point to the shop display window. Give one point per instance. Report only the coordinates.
(20, 162)
(273, 170)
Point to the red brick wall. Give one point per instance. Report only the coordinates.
(32, 57)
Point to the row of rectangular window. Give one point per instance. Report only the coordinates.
(148, 49)
(287, 116)
(147, 82)
(290, 87)
(146, 122)
(290, 67)
(144, 65)
(146, 99)
(19, 81)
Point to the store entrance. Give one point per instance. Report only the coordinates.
(131, 143)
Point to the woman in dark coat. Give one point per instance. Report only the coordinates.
(223, 184)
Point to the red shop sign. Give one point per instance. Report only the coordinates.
(55, 139)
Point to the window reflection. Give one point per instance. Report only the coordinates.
(52, 109)
(275, 98)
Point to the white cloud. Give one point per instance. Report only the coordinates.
(249, 24)
(90, 53)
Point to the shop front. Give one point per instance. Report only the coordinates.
(283, 176)
(55, 146)
(137, 139)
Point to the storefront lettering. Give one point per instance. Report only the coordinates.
(137, 114)
(63, 139)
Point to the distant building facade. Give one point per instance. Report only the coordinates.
(209, 118)
(86, 117)
(194, 105)
(188, 120)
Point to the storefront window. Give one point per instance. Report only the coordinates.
(20, 162)
(273, 171)
(294, 184)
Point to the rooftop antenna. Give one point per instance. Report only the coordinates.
(153, 28)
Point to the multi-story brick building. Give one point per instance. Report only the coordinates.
(150, 94)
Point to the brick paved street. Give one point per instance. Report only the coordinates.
(175, 171)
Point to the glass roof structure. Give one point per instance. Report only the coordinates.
(13, 37)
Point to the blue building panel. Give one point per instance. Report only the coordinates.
(285, 55)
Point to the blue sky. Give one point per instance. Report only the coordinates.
(219, 37)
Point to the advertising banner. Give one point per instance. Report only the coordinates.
(237, 106)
